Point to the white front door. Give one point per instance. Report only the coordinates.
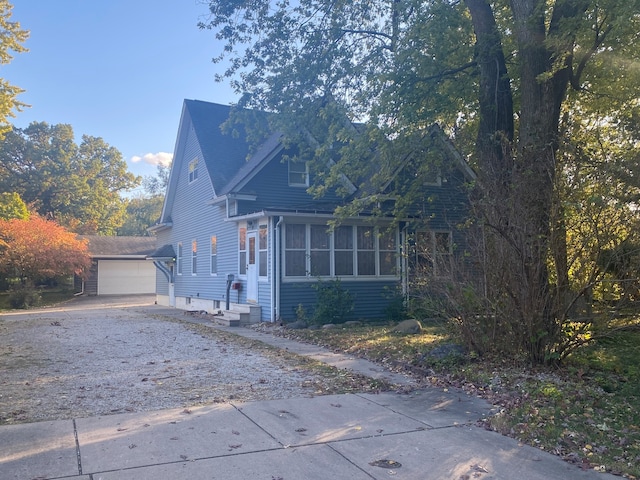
(252, 268)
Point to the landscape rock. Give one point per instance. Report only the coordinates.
(297, 325)
(352, 323)
(408, 326)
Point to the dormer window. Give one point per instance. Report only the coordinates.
(193, 170)
(298, 174)
(432, 178)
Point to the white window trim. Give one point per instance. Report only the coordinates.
(242, 225)
(260, 252)
(193, 170)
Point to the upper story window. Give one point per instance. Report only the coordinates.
(432, 177)
(193, 170)
(298, 174)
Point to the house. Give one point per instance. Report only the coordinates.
(239, 228)
(118, 266)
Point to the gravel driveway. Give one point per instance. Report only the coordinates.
(97, 356)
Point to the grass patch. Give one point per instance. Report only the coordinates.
(587, 412)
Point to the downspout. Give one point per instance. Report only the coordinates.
(276, 269)
(164, 270)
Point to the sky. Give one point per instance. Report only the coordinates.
(116, 69)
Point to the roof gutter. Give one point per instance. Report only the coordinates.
(159, 227)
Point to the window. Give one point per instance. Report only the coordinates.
(214, 255)
(348, 251)
(295, 247)
(343, 250)
(179, 258)
(432, 253)
(262, 250)
(387, 253)
(242, 248)
(298, 174)
(320, 253)
(366, 251)
(194, 257)
(432, 177)
(193, 170)
(442, 253)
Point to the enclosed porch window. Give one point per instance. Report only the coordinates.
(354, 251)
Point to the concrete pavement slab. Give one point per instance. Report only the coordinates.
(326, 419)
(435, 407)
(318, 462)
(457, 453)
(132, 440)
(38, 450)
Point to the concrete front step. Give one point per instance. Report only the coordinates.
(238, 314)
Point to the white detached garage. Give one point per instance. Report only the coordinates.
(119, 266)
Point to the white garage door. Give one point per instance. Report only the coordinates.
(118, 277)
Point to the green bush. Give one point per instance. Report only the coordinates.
(334, 303)
(24, 297)
(396, 310)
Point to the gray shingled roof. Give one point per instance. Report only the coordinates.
(165, 251)
(224, 153)
(108, 246)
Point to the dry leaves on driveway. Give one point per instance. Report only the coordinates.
(102, 359)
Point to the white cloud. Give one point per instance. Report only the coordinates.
(160, 158)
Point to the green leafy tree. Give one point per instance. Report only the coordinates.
(12, 206)
(79, 186)
(157, 184)
(500, 76)
(11, 39)
(142, 212)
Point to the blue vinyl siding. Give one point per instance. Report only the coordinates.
(194, 219)
(277, 193)
(446, 206)
(371, 298)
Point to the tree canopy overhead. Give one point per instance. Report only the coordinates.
(11, 39)
(511, 81)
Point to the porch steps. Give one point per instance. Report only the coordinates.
(237, 315)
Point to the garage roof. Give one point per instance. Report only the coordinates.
(101, 246)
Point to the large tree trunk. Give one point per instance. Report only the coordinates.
(517, 183)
